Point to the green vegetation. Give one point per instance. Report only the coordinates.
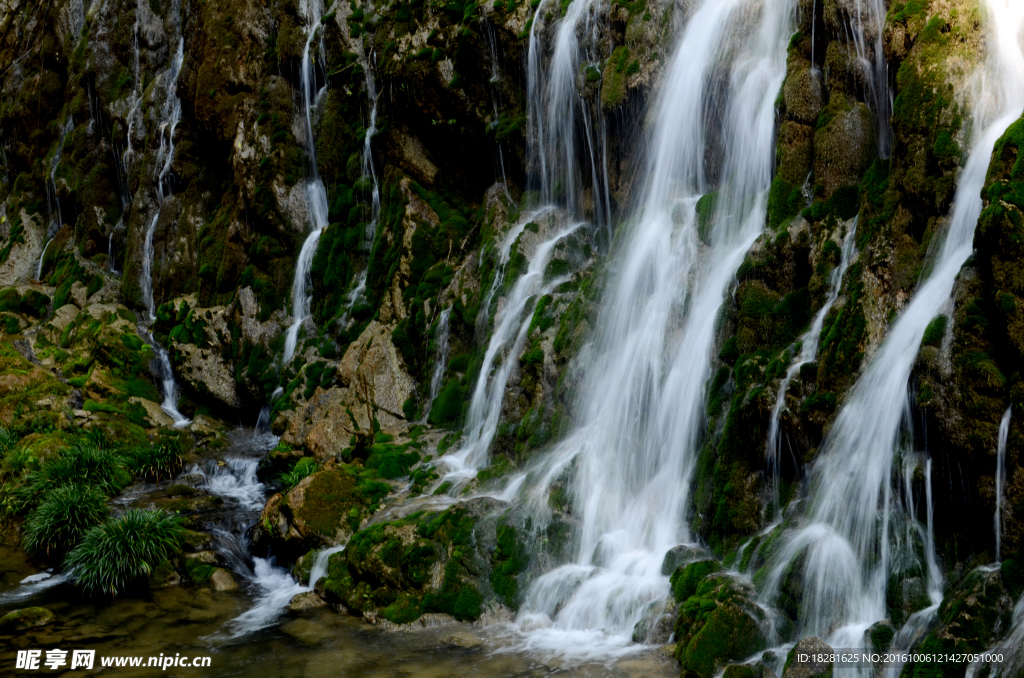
(302, 468)
(121, 553)
(62, 519)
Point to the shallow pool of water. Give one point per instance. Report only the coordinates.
(312, 643)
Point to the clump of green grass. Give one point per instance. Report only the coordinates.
(85, 463)
(303, 467)
(123, 551)
(62, 519)
(157, 461)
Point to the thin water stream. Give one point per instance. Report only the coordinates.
(847, 543)
(250, 629)
(316, 193)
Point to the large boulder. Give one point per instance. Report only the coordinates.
(719, 620)
(460, 563)
(322, 510)
(808, 659)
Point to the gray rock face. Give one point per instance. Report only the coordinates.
(221, 580)
(681, 555)
(810, 650)
(207, 372)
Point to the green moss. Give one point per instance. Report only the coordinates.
(784, 202)
(935, 331)
(198, 571)
(685, 579)
(613, 85)
(509, 561)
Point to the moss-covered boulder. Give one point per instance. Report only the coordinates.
(718, 620)
(24, 619)
(438, 563)
(975, 612)
(817, 664)
(324, 509)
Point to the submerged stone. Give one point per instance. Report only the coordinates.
(26, 618)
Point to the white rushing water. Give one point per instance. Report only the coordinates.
(640, 409)
(170, 116)
(808, 353)
(135, 98)
(33, 585)
(169, 385)
(235, 478)
(275, 588)
(559, 114)
(511, 328)
(1004, 434)
(847, 542)
(368, 170)
(864, 30)
(441, 339)
(315, 191)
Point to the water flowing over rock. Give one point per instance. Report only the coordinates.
(588, 336)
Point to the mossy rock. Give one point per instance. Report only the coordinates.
(974, 614)
(27, 618)
(718, 622)
(426, 563)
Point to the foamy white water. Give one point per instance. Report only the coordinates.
(640, 411)
(808, 353)
(316, 194)
(847, 541)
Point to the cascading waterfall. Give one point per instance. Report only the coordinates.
(864, 28)
(1004, 434)
(639, 417)
(441, 338)
(555, 103)
(368, 170)
(488, 30)
(847, 541)
(276, 588)
(56, 217)
(170, 386)
(1011, 647)
(511, 329)
(134, 99)
(170, 116)
(316, 193)
(808, 353)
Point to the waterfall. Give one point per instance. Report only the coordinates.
(276, 588)
(512, 326)
(316, 193)
(170, 115)
(555, 103)
(864, 29)
(441, 338)
(1004, 434)
(846, 540)
(808, 353)
(368, 171)
(134, 99)
(170, 387)
(639, 415)
(42, 255)
(1011, 648)
(51, 195)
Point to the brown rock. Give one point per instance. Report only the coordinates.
(221, 580)
(809, 647)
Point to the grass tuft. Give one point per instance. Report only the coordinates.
(62, 519)
(122, 552)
